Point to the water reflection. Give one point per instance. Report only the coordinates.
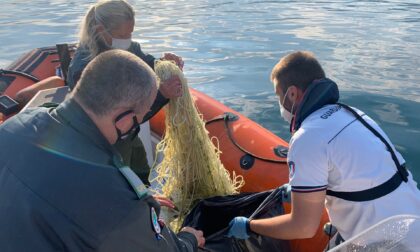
(370, 48)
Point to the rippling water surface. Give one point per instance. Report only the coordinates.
(370, 48)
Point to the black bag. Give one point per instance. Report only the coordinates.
(213, 215)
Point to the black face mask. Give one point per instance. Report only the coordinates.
(133, 131)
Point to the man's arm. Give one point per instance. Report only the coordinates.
(136, 232)
(308, 165)
(301, 223)
(159, 102)
(26, 94)
(148, 58)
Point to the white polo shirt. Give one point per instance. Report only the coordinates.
(333, 150)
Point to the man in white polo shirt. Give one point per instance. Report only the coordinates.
(338, 158)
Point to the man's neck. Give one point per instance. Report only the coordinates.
(103, 123)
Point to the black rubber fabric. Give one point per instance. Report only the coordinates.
(213, 215)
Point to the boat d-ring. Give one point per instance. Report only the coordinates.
(248, 159)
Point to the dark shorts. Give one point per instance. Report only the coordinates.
(134, 156)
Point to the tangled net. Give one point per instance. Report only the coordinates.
(191, 168)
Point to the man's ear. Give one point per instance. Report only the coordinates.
(292, 93)
(300, 94)
(295, 94)
(126, 122)
(100, 28)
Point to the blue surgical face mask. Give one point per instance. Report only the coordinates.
(133, 131)
(287, 115)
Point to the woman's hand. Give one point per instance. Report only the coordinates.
(171, 88)
(178, 60)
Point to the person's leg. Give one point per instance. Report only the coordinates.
(26, 94)
(139, 161)
(134, 156)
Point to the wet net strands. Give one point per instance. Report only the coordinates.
(191, 168)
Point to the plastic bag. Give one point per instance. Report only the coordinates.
(213, 215)
(395, 234)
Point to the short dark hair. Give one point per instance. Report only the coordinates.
(114, 79)
(299, 69)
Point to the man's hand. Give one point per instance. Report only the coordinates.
(171, 88)
(163, 201)
(301, 223)
(197, 233)
(178, 60)
(239, 228)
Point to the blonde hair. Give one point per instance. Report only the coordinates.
(107, 13)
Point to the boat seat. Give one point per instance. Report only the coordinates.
(52, 95)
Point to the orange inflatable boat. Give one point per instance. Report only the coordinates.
(247, 148)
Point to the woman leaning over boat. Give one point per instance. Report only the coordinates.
(109, 25)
